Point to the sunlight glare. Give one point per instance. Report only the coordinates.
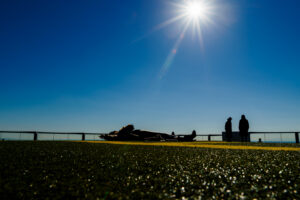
(194, 13)
(196, 9)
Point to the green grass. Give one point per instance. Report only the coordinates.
(56, 170)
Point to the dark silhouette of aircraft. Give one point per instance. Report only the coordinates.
(128, 133)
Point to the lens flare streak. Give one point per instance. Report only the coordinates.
(173, 52)
(196, 12)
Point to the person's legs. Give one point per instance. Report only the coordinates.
(246, 138)
(226, 137)
(243, 138)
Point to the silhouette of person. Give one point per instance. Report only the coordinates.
(244, 127)
(228, 130)
(126, 130)
(194, 134)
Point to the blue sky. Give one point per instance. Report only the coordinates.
(95, 66)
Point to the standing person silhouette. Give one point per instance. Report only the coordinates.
(228, 130)
(244, 127)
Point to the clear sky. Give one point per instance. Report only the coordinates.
(99, 65)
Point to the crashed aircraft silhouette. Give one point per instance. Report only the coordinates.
(128, 133)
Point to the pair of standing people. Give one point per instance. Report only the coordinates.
(243, 127)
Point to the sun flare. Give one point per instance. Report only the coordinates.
(196, 9)
(196, 14)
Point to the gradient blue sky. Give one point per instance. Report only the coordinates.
(83, 66)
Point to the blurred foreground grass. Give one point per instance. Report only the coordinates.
(56, 170)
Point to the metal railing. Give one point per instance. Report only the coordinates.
(296, 134)
(84, 134)
(36, 133)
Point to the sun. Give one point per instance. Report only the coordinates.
(196, 9)
(196, 14)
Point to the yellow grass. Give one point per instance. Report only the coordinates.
(213, 145)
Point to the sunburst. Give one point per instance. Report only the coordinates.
(195, 13)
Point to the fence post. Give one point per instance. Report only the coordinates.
(83, 136)
(35, 136)
(209, 138)
(297, 137)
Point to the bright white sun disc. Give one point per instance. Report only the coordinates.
(196, 9)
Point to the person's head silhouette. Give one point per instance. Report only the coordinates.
(243, 117)
(229, 119)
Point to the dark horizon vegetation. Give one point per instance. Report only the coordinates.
(73, 170)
